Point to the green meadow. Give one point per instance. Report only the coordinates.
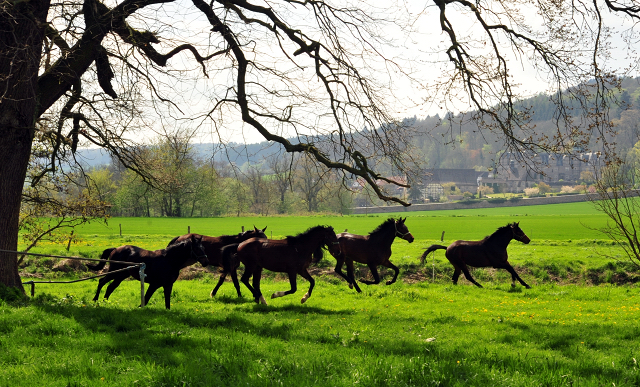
(577, 326)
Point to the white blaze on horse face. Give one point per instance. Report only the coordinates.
(277, 294)
(262, 300)
(305, 298)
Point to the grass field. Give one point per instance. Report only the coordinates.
(420, 331)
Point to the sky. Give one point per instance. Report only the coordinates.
(410, 83)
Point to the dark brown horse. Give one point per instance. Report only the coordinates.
(291, 255)
(489, 252)
(162, 266)
(213, 247)
(372, 250)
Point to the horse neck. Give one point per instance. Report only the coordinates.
(385, 236)
(180, 255)
(310, 242)
(501, 237)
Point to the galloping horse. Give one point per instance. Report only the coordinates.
(213, 247)
(372, 250)
(162, 266)
(292, 255)
(489, 252)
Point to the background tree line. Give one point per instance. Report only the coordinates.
(187, 185)
(469, 147)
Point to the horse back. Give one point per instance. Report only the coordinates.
(361, 249)
(474, 253)
(212, 246)
(271, 254)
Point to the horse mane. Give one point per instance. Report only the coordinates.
(499, 230)
(178, 245)
(303, 235)
(382, 227)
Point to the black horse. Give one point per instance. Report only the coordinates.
(292, 255)
(489, 252)
(213, 247)
(162, 266)
(372, 250)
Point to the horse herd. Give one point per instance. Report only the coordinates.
(293, 255)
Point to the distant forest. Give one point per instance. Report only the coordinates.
(455, 141)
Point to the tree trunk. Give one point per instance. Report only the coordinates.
(21, 36)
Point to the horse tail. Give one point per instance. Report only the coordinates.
(317, 255)
(229, 253)
(105, 256)
(429, 250)
(173, 241)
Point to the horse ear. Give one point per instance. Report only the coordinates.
(265, 227)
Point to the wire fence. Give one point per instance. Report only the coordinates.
(140, 266)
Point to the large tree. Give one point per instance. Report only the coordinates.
(318, 72)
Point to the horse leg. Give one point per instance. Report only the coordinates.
(374, 272)
(293, 281)
(103, 281)
(456, 274)
(220, 282)
(234, 278)
(515, 276)
(468, 276)
(150, 290)
(338, 270)
(257, 295)
(352, 276)
(245, 280)
(167, 294)
(395, 269)
(113, 285)
(305, 274)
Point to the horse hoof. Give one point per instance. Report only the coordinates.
(528, 287)
(262, 300)
(277, 294)
(305, 298)
(389, 282)
(350, 285)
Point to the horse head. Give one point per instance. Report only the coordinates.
(197, 250)
(518, 234)
(331, 240)
(258, 233)
(402, 231)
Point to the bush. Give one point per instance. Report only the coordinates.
(497, 200)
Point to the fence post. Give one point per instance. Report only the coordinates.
(142, 275)
(120, 224)
(70, 238)
(242, 228)
(188, 229)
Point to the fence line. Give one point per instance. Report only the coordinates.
(141, 267)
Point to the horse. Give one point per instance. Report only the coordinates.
(162, 266)
(489, 252)
(372, 250)
(213, 246)
(291, 255)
